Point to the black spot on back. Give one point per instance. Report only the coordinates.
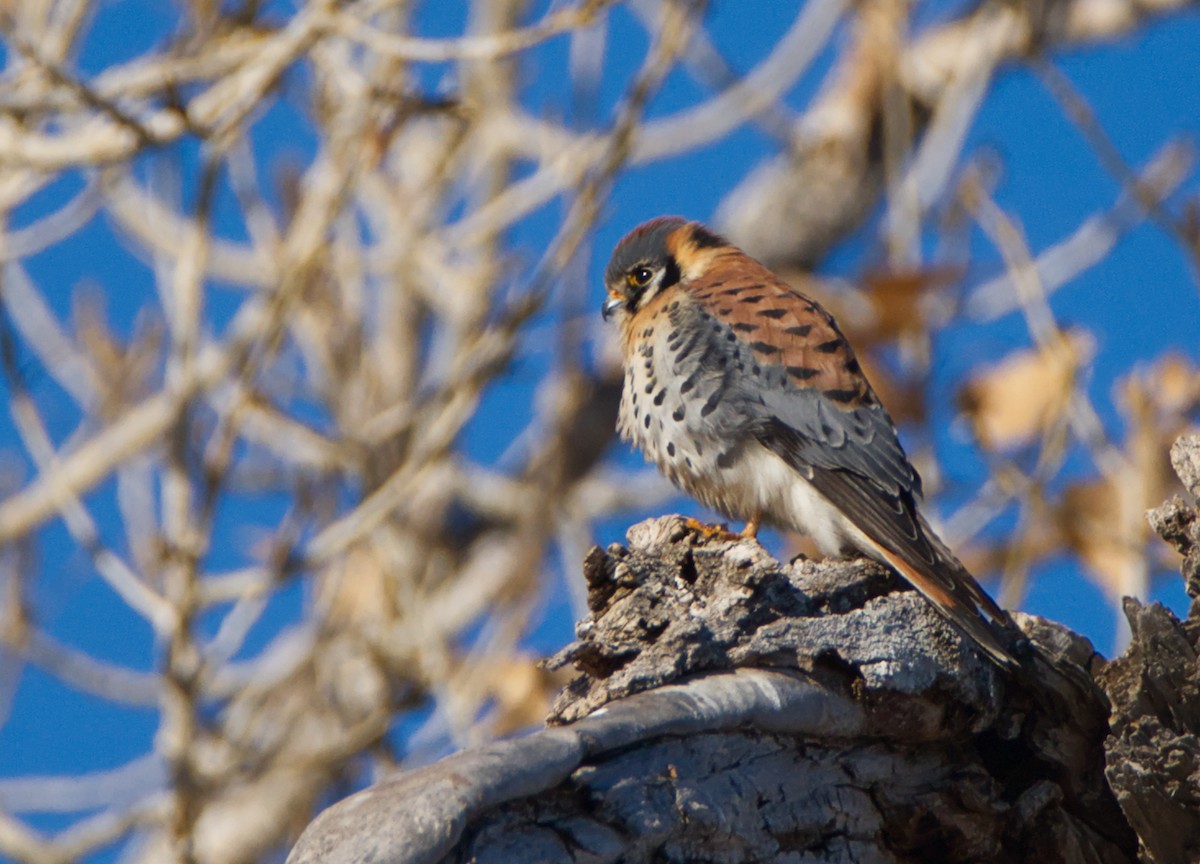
(745, 327)
(843, 396)
(800, 330)
(830, 347)
(765, 348)
(775, 312)
(706, 239)
(803, 373)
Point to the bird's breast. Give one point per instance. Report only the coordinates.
(688, 405)
(665, 408)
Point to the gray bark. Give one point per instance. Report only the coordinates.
(730, 708)
(1153, 751)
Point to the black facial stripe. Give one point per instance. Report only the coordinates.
(634, 292)
(671, 273)
(639, 295)
(705, 239)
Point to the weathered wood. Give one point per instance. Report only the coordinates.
(883, 736)
(421, 815)
(1153, 753)
(731, 708)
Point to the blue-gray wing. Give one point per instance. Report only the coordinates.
(771, 366)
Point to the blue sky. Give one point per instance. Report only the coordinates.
(1141, 88)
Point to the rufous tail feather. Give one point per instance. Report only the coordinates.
(964, 614)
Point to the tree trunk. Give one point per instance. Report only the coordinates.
(731, 708)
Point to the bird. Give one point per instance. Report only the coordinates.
(747, 396)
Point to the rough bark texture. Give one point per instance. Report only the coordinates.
(731, 708)
(1153, 751)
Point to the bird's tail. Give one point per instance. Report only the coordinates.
(953, 591)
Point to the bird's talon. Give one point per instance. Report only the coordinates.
(709, 532)
(721, 532)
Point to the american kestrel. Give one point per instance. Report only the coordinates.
(746, 395)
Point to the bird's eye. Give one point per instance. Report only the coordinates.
(640, 277)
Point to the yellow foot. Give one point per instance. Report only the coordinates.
(722, 532)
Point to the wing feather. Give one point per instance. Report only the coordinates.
(818, 388)
(903, 539)
(811, 404)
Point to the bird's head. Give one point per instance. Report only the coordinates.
(653, 257)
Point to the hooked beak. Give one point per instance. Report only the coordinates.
(611, 305)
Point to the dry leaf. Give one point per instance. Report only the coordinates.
(356, 592)
(1101, 522)
(125, 371)
(900, 301)
(1015, 401)
(522, 690)
(1171, 384)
